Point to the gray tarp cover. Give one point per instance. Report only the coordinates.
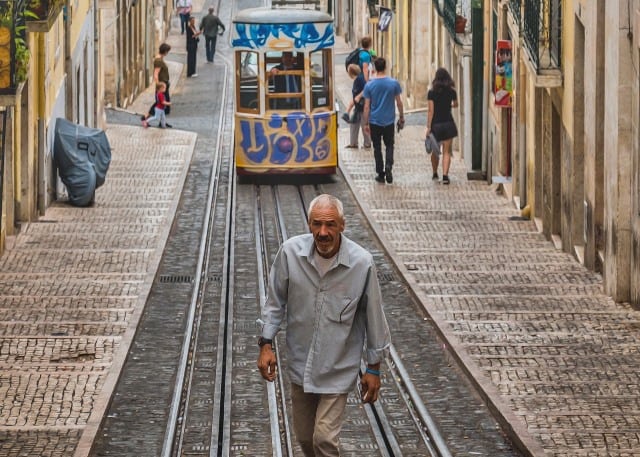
(82, 156)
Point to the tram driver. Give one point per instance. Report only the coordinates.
(287, 83)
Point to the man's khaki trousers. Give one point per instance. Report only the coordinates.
(317, 420)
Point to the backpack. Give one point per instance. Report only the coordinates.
(353, 58)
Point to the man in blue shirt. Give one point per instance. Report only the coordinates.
(326, 286)
(382, 95)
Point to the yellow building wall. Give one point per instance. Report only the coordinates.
(79, 11)
(54, 71)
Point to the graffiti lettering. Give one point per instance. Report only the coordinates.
(278, 140)
(311, 35)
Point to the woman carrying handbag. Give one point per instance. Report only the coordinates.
(441, 98)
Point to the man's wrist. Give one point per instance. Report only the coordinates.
(264, 341)
(372, 371)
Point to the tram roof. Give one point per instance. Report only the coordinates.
(280, 16)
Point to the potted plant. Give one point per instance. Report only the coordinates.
(461, 23)
(11, 34)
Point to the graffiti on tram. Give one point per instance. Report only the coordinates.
(294, 139)
(312, 35)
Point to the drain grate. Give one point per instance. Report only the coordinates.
(388, 277)
(216, 278)
(174, 279)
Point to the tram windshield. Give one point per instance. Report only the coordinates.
(285, 71)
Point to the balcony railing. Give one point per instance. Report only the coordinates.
(514, 6)
(451, 12)
(14, 54)
(540, 22)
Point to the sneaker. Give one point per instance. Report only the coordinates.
(445, 179)
(195, 75)
(351, 146)
(169, 126)
(389, 176)
(367, 146)
(435, 176)
(380, 178)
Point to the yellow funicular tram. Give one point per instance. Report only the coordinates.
(285, 116)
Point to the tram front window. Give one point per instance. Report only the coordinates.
(285, 71)
(247, 75)
(320, 64)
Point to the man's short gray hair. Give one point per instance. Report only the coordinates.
(326, 200)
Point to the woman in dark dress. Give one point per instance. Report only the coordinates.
(441, 98)
(192, 47)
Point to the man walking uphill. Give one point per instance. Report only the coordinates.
(380, 115)
(209, 26)
(327, 287)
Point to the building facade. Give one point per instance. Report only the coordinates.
(63, 59)
(548, 93)
(570, 138)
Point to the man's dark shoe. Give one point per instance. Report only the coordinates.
(435, 176)
(380, 178)
(169, 126)
(445, 179)
(389, 176)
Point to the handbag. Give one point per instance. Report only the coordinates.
(431, 144)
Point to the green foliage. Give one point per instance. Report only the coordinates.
(22, 59)
(21, 54)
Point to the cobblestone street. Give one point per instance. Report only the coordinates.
(555, 358)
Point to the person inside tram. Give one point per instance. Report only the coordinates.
(286, 83)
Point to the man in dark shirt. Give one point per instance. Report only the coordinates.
(209, 25)
(287, 83)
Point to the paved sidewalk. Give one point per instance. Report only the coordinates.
(554, 357)
(72, 289)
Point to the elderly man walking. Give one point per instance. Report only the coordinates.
(209, 26)
(326, 288)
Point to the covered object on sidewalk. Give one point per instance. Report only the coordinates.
(82, 156)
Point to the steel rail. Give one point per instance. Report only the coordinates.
(436, 439)
(380, 426)
(221, 445)
(263, 268)
(282, 235)
(199, 279)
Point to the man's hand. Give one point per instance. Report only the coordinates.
(267, 363)
(370, 386)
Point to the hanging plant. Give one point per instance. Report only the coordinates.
(22, 59)
(13, 48)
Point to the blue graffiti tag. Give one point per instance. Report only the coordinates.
(283, 138)
(308, 35)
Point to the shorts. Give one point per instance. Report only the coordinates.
(444, 130)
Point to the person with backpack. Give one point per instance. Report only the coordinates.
(365, 60)
(363, 57)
